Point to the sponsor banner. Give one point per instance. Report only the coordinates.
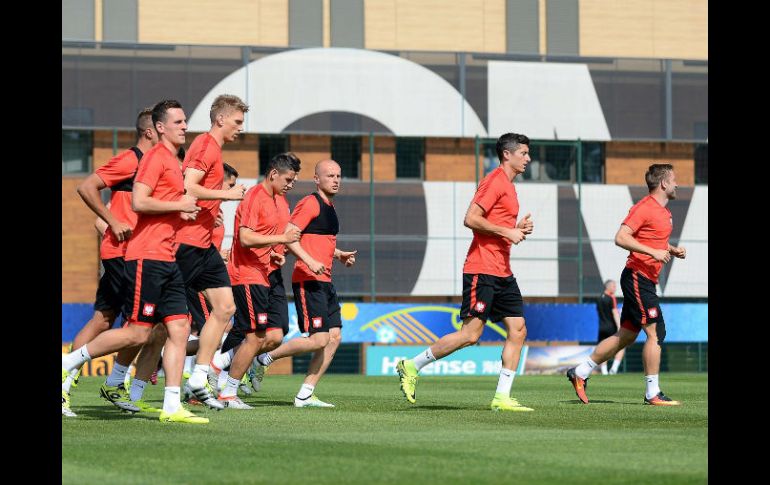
(481, 360)
(556, 359)
(398, 323)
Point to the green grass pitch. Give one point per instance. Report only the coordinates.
(374, 436)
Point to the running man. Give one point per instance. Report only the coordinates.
(645, 234)
(490, 290)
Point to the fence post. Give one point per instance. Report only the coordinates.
(114, 141)
(371, 217)
(580, 218)
(476, 150)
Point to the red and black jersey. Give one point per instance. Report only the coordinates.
(317, 220)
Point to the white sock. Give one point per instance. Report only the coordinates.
(653, 388)
(223, 376)
(69, 380)
(423, 358)
(305, 391)
(137, 389)
(74, 360)
(584, 369)
(117, 375)
(198, 377)
(171, 400)
(231, 388)
(224, 337)
(265, 359)
(220, 360)
(505, 381)
(604, 368)
(189, 362)
(615, 366)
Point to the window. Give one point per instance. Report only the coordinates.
(346, 150)
(76, 151)
(270, 146)
(702, 163)
(550, 163)
(593, 162)
(410, 157)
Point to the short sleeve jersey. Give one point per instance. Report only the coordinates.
(651, 224)
(258, 212)
(319, 244)
(491, 254)
(155, 234)
(205, 155)
(118, 174)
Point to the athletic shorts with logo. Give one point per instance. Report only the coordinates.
(641, 305)
(277, 310)
(154, 292)
(318, 307)
(201, 268)
(111, 292)
(491, 297)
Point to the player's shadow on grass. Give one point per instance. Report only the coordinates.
(105, 414)
(269, 403)
(434, 407)
(578, 401)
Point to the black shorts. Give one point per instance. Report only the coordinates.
(251, 308)
(199, 308)
(640, 301)
(277, 309)
(111, 292)
(155, 292)
(202, 268)
(491, 297)
(605, 332)
(318, 308)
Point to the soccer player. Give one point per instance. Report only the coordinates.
(117, 174)
(278, 311)
(644, 233)
(609, 322)
(256, 226)
(490, 290)
(154, 282)
(198, 259)
(318, 308)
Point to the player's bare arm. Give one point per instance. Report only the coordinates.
(348, 258)
(142, 202)
(89, 192)
(251, 239)
(625, 239)
(296, 248)
(677, 251)
(475, 220)
(192, 178)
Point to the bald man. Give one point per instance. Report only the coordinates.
(318, 308)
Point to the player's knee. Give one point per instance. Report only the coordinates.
(138, 335)
(226, 311)
(273, 339)
(660, 331)
(321, 340)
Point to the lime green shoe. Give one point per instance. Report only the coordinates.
(501, 402)
(64, 374)
(65, 405)
(182, 415)
(145, 408)
(311, 402)
(118, 396)
(407, 372)
(77, 378)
